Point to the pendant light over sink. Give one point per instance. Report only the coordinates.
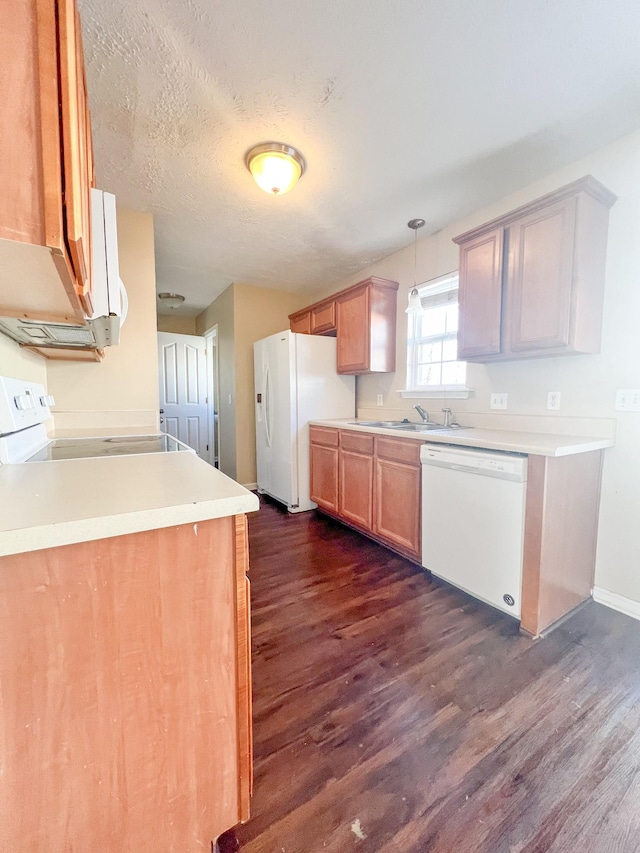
(276, 167)
(414, 297)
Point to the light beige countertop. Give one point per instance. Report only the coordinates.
(46, 504)
(511, 441)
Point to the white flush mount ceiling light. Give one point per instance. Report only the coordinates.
(414, 297)
(276, 167)
(171, 300)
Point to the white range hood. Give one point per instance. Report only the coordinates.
(108, 295)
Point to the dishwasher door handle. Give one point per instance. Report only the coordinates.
(468, 470)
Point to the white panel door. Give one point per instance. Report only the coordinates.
(183, 389)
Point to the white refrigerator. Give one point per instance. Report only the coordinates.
(295, 382)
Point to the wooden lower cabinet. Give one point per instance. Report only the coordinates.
(371, 483)
(356, 479)
(397, 515)
(125, 691)
(323, 447)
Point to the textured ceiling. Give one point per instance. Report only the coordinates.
(402, 108)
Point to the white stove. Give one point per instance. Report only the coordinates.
(24, 410)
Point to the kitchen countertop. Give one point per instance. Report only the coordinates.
(511, 441)
(47, 504)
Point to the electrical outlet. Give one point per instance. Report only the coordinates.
(379, 400)
(499, 401)
(628, 400)
(553, 400)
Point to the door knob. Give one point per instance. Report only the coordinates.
(161, 420)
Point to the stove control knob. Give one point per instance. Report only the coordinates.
(47, 400)
(24, 402)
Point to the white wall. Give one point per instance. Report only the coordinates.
(587, 383)
(121, 391)
(20, 364)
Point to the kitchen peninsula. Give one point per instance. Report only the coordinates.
(126, 653)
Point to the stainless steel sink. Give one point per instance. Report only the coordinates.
(385, 424)
(401, 425)
(425, 427)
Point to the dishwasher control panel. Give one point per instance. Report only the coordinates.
(509, 466)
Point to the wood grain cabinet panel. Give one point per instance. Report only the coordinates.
(324, 476)
(46, 163)
(125, 691)
(480, 295)
(363, 317)
(323, 318)
(561, 522)
(356, 488)
(397, 505)
(371, 483)
(300, 322)
(532, 281)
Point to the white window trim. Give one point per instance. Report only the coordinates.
(445, 392)
(437, 392)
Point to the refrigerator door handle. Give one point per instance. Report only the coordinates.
(267, 405)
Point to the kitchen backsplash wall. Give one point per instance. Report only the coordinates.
(17, 362)
(121, 391)
(587, 384)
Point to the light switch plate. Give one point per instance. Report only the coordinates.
(499, 400)
(379, 400)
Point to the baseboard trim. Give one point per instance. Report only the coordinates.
(251, 486)
(617, 602)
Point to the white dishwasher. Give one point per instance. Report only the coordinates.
(473, 521)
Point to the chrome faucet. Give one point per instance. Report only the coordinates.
(424, 415)
(448, 414)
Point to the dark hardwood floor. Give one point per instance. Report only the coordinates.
(394, 713)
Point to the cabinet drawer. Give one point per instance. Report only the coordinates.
(356, 442)
(323, 318)
(324, 435)
(398, 449)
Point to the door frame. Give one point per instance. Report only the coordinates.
(213, 384)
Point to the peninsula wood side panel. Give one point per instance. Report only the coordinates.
(125, 692)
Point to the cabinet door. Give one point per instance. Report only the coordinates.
(480, 295)
(76, 149)
(356, 488)
(397, 505)
(301, 323)
(323, 318)
(354, 334)
(324, 476)
(540, 278)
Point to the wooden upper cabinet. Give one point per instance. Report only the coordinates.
(323, 318)
(316, 319)
(480, 295)
(540, 277)
(45, 163)
(77, 149)
(532, 281)
(363, 318)
(301, 322)
(366, 322)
